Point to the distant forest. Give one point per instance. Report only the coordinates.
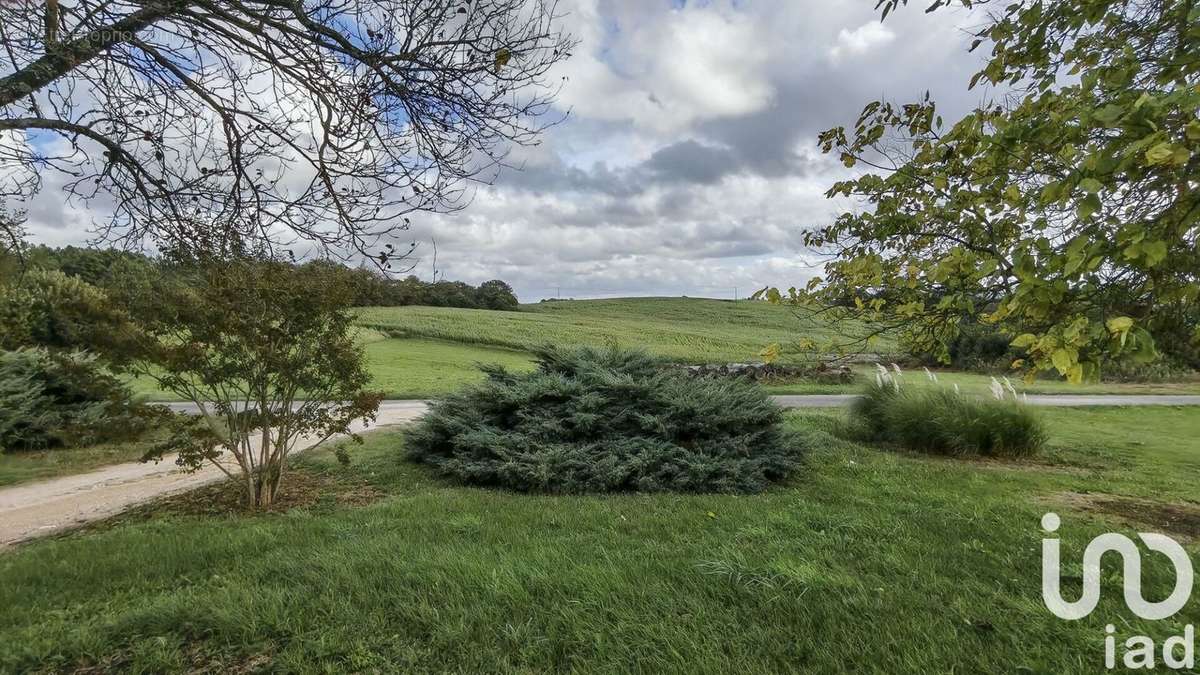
(109, 268)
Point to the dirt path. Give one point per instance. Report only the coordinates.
(44, 507)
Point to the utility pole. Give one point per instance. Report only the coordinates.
(735, 293)
(558, 292)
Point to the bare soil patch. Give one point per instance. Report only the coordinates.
(302, 488)
(1181, 521)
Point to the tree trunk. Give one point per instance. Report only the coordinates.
(266, 486)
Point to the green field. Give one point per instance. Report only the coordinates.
(870, 560)
(687, 330)
(420, 352)
(407, 368)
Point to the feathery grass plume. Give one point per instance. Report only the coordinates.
(935, 420)
(929, 375)
(1009, 385)
(997, 389)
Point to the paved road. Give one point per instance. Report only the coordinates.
(1069, 400)
(838, 400)
(43, 507)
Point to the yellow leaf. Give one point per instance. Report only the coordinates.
(1025, 340)
(1075, 374)
(1062, 360)
(770, 353)
(502, 58)
(1119, 324)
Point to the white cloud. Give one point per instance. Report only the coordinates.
(860, 40)
(730, 95)
(665, 70)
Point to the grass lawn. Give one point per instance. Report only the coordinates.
(407, 368)
(20, 467)
(436, 348)
(872, 560)
(415, 368)
(691, 330)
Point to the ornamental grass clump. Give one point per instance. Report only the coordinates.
(606, 420)
(945, 421)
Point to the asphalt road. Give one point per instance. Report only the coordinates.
(838, 400)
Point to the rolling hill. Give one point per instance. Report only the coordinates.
(687, 330)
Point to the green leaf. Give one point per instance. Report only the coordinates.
(1090, 185)
(1024, 340)
(1154, 252)
(1109, 114)
(1087, 206)
(1163, 152)
(1063, 360)
(1145, 346)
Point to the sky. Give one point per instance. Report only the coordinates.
(687, 162)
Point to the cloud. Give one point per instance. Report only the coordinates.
(688, 163)
(860, 40)
(692, 162)
(662, 69)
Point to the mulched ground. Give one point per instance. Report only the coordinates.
(1181, 521)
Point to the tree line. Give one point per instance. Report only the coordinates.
(368, 287)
